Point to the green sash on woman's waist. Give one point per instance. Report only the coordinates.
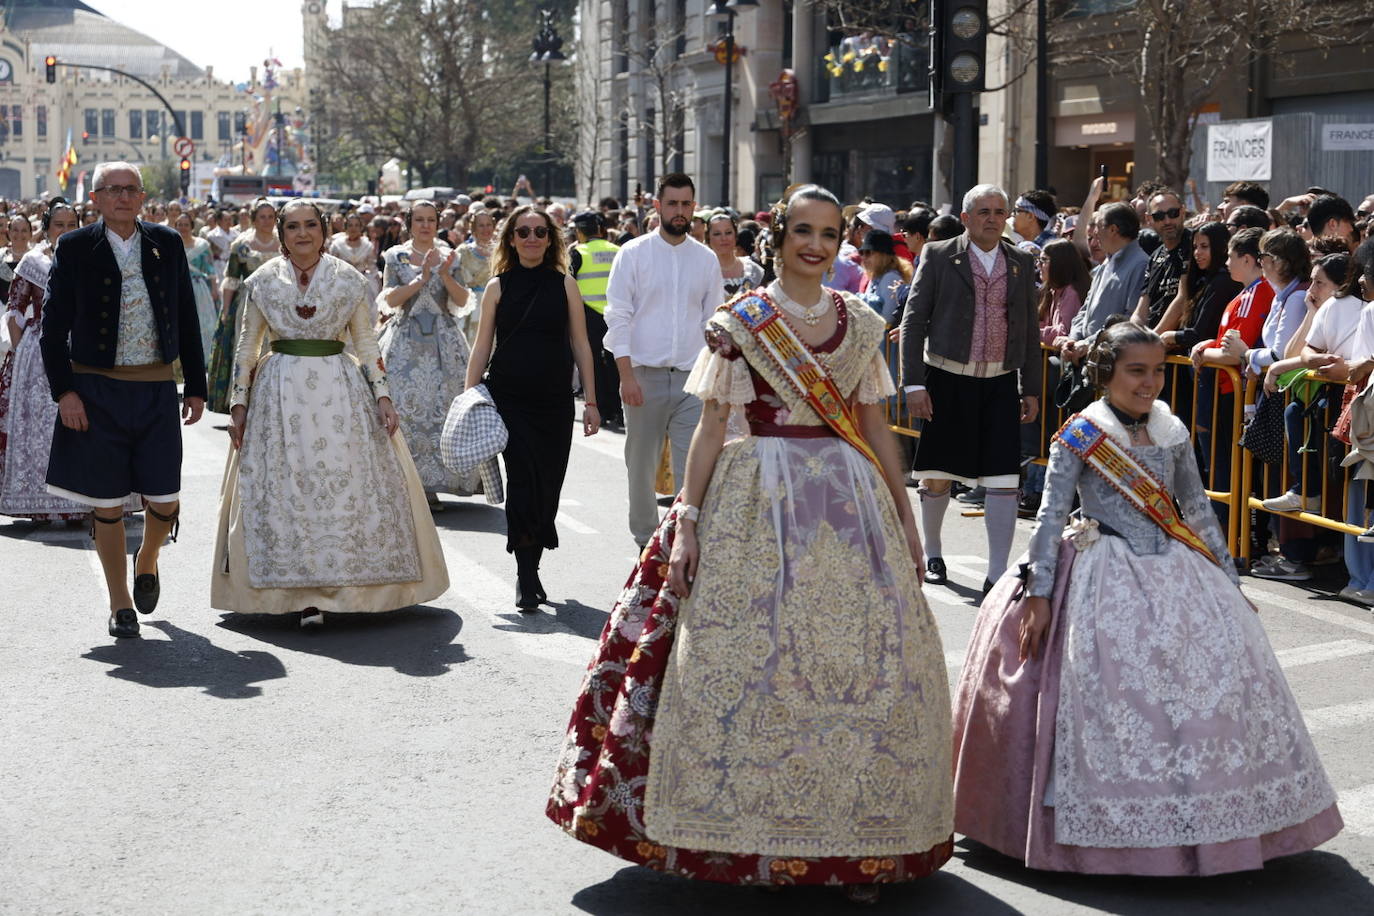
(293, 347)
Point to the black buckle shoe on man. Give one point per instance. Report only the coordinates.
(147, 589)
(935, 571)
(124, 623)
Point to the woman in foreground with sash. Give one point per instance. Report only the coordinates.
(768, 704)
(1120, 710)
(321, 508)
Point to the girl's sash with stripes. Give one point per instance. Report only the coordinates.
(1098, 451)
(800, 367)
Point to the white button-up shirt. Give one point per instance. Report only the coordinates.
(658, 298)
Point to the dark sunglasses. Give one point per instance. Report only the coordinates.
(1171, 213)
(540, 232)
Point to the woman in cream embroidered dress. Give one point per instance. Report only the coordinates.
(474, 261)
(356, 250)
(1154, 733)
(788, 720)
(423, 346)
(321, 508)
(248, 252)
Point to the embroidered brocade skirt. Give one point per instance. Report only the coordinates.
(788, 724)
(320, 508)
(1155, 735)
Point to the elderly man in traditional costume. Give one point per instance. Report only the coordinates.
(120, 311)
(971, 369)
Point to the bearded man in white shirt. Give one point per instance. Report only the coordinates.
(663, 286)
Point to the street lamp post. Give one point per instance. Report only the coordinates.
(728, 11)
(548, 46)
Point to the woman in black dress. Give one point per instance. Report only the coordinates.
(533, 311)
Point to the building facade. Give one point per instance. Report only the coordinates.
(651, 98)
(1097, 118)
(110, 116)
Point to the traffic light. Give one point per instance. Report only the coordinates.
(51, 63)
(185, 176)
(960, 46)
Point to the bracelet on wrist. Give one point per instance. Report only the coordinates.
(688, 513)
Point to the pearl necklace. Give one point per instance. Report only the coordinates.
(811, 314)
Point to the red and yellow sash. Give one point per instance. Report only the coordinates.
(1091, 443)
(800, 367)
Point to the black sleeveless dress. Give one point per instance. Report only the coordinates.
(530, 379)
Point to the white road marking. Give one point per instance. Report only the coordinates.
(938, 595)
(494, 597)
(611, 447)
(1317, 611)
(1357, 810)
(962, 565)
(1343, 715)
(574, 525)
(1322, 652)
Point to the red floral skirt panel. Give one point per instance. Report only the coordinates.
(598, 792)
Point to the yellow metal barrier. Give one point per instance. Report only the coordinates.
(1275, 481)
(1182, 394)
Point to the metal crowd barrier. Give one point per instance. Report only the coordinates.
(1319, 455)
(1220, 453)
(1235, 480)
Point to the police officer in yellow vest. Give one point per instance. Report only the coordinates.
(591, 265)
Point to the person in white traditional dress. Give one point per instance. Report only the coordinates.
(27, 410)
(354, 248)
(321, 508)
(424, 346)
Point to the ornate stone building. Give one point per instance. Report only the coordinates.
(110, 116)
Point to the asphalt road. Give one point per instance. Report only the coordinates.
(399, 763)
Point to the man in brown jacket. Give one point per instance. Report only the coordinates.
(971, 371)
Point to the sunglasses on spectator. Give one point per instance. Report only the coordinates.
(539, 231)
(1171, 213)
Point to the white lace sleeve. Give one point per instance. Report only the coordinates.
(717, 378)
(876, 381)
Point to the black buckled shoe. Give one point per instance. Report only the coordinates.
(147, 589)
(124, 623)
(935, 572)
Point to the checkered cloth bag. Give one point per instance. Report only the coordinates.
(473, 436)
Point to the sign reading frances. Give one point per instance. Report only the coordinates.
(1240, 150)
(1347, 137)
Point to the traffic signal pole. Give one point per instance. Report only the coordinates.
(176, 118)
(963, 170)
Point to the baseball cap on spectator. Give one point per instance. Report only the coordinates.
(587, 219)
(366, 208)
(879, 216)
(879, 241)
(463, 200)
(763, 216)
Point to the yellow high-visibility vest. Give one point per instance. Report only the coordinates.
(595, 272)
